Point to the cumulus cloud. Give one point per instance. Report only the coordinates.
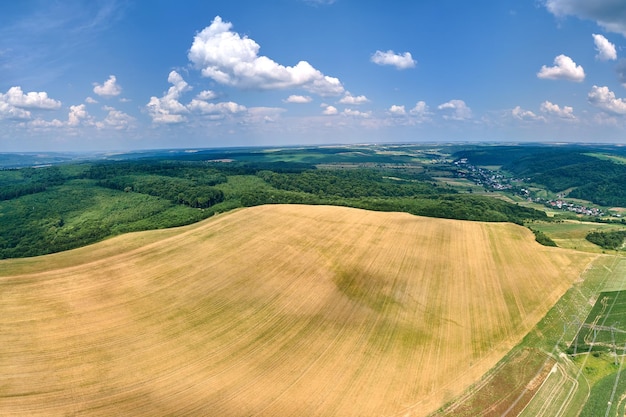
(298, 99)
(8, 111)
(396, 110)
(605, 99)
(606, 50)
(564, 69)
(32, 100)
(110, 88)
(356, 113)
(116, 119)
(525, 115)
(168, 109)
(420, 110)
(90, 100)
(455, 110)
(43, 124)
(14, 104)
(566, 112)
(329, 110)
(206, 95)
(350, 99)
(76, 114)
(230, 59)
(400, 61)
(221, 109)
(609, 14)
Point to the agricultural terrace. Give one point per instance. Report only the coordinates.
(278, 310)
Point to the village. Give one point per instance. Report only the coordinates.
(493, 180)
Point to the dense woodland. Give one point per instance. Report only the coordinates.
(582, 172)
(70, 204)
(55, 208)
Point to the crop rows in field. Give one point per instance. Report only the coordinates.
(273, 311)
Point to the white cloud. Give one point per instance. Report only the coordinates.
(8, 111)
(116, 119)
(79, 116)
(14, 104)
(400, 61)
(168, 109)
(350, 99)
(609, 14)
(455, 110)
(110, 88)
(525, 115)
(420, 110)
(203, 107)
(32, 100)
(396, 110)
(42, 124)
(356, 113)
(206, 95)
(90, 100)
(329, 110)
(566, 112)
(76, 114)
(230, 59)
(298, 99)
(564, 69)
(606, 50)
(605, 99)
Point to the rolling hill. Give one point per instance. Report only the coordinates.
(278, 310)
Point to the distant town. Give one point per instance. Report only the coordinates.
(495, 180)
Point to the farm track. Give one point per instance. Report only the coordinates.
(556, 398)
(273, 311)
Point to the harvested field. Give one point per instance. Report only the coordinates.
(273, 311)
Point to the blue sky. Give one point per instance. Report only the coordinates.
(115, 74)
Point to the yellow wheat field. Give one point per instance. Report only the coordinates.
(273, 311)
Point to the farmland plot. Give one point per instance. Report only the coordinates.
(273, 311)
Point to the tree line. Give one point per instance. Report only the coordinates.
(176, 190)
(607, 240)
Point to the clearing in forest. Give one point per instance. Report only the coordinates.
(278, 310)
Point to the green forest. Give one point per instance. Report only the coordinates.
(607, 240)
(596, 174)
(64, 206)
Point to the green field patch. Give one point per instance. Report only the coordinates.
(613, 158)
(595, 366)
(572, 234)
(618, 269)
(603, 329)
(607, 396)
